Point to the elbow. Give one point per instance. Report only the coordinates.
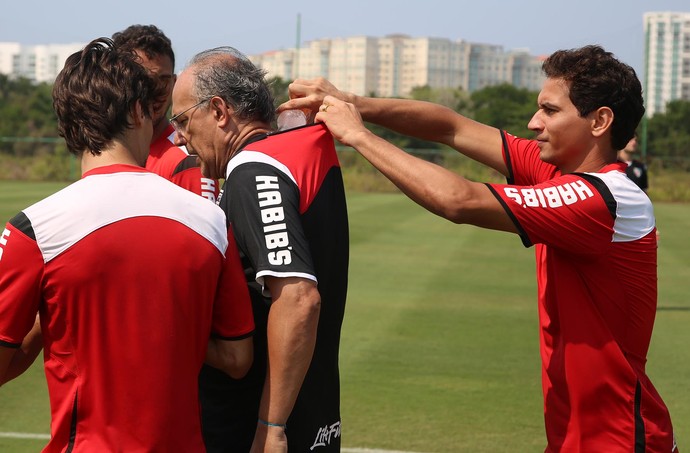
(313, 305)
(233, 357)
(454, 214)
(312, 312)
(308, 304)
(461, 204)
(243, 359)
(308, 313)
(454, 207)
(240, 368)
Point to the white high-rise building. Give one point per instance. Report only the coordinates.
(40, 63)
(406, 63)
(393, 65)
(667, 59)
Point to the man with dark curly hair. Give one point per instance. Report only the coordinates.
(154, 51)
(593, 230)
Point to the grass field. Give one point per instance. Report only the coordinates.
(440, 343)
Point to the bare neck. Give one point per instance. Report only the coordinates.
(248, 130)
(115, 154)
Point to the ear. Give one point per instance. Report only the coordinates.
(602, 119)
(222, 112)
(137, 114)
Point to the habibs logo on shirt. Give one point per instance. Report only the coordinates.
(3, 241)
(272, 217)
(550, 197)
(208, 189)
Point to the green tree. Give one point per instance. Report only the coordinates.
(668, 135)
(505, 107)
(26, 116)
(279, 89)
(454, 98)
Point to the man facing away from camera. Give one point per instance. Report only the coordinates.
(136, 280)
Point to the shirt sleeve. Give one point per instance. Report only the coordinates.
(570, 212)
(232, 311)
(21, 273)
(263, 208)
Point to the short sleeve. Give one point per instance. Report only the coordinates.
(21, 273)
(232, 309)
(569, 212)
(263, 208)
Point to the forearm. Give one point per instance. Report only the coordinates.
(436, 123)
(433, 187)
(420, 119)
(26, 354)
(291, 330)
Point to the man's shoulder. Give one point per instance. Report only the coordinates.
(169, 153)
(165, 156)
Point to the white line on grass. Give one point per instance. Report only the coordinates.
(368, 450)
(25, 435)
(47, 436)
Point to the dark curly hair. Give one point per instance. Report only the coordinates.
(598, 79)
(147, 38)
(95, 95)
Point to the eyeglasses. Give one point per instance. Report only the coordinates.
(178, 127)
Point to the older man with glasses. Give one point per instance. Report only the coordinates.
(284, 197)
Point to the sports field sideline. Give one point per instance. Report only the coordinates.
(46, 437)
(440, 345)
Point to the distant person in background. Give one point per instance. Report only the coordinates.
(155, 53)
(636, 170)
(568, 195)
(131, 275)
(284, 198)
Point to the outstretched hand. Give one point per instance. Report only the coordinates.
(309, 94)
(343, 120)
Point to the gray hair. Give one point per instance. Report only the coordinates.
(226, 72)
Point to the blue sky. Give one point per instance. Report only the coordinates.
(542, 26)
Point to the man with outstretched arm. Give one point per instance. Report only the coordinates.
(593, 230)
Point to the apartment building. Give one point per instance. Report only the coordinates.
(393, 65)
(667, 59)
(390, 66)
(39, 63)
